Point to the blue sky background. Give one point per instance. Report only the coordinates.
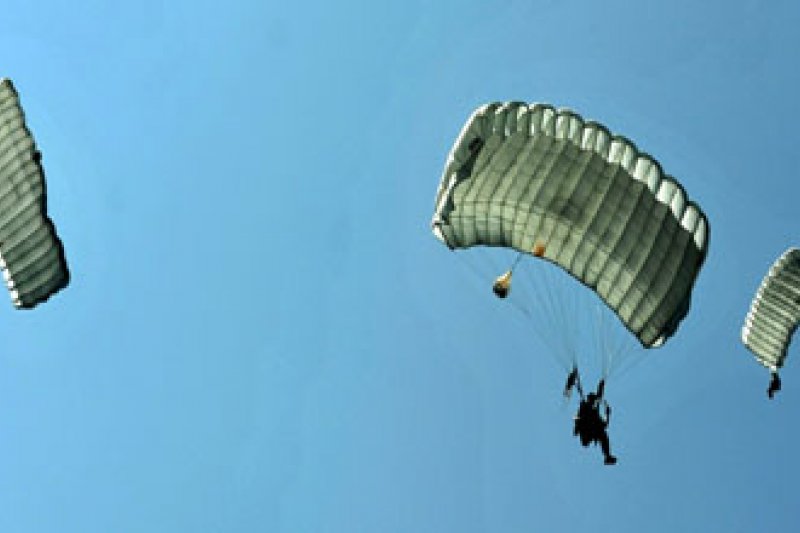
(262, 334)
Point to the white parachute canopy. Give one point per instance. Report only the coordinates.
(31, 254)
(775, 312)
(550, 185)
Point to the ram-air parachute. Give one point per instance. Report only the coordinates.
(775, 312)
(31, 254)
(546, 183)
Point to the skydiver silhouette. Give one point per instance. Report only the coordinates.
(774, 384)
(590, 425)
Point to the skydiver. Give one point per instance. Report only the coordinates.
(590, 426)
(774, 385)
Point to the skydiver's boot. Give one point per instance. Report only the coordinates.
(610, 460)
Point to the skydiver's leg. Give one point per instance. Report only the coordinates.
(605, 445)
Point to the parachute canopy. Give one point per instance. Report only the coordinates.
(31, 254)
(775, 311)
(536, 178)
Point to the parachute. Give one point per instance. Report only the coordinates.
(549, 184)
(31, 254)
(775, 312)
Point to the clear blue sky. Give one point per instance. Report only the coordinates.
(262, 335)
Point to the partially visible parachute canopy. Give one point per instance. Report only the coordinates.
(31, 254)
(540, 179)
(775, 311)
